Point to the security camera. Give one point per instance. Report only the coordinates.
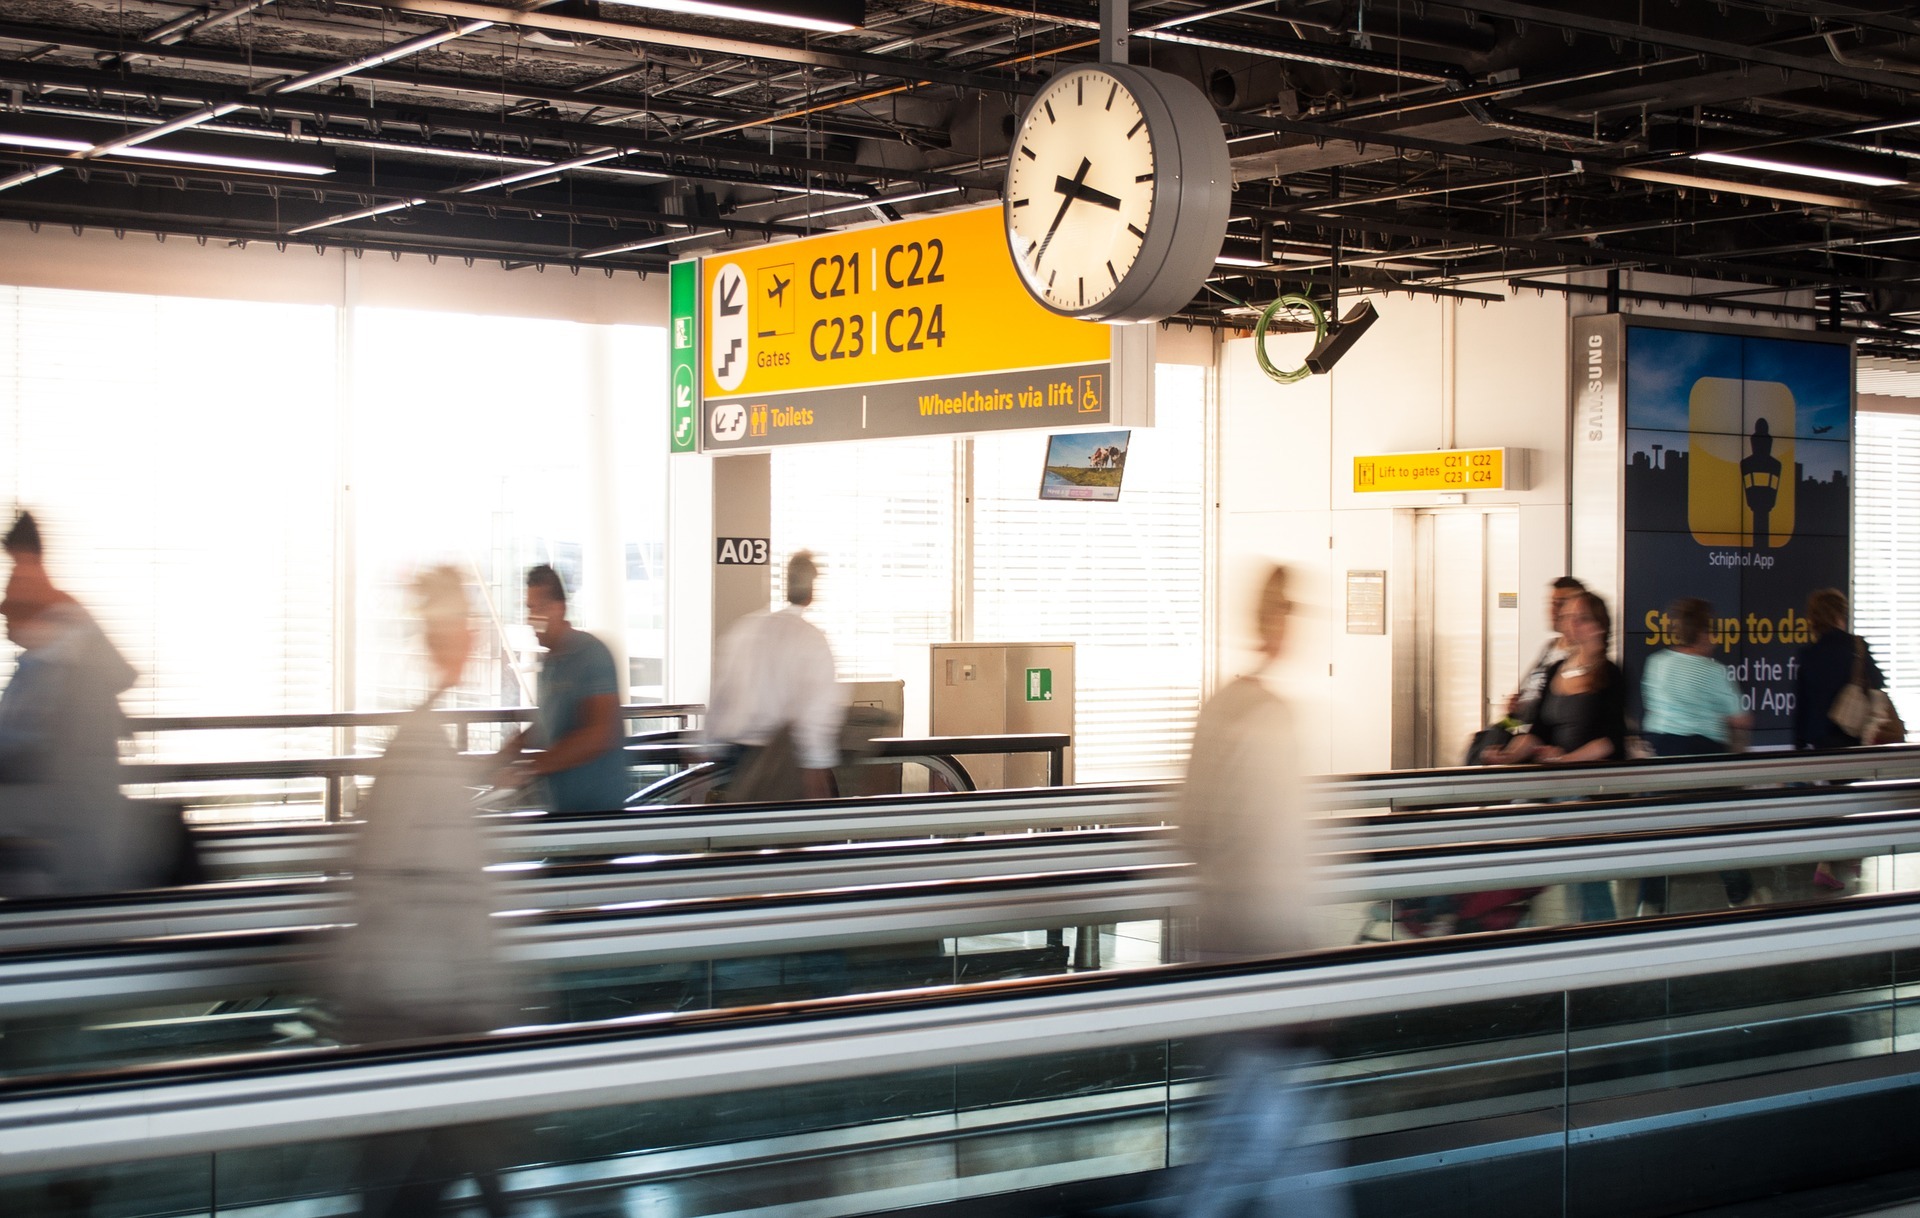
(1327, 352)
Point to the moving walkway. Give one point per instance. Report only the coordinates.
(1624, 1069)
(660, 863)
(712, 951)
(1428, 807)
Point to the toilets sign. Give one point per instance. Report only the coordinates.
(915, 328)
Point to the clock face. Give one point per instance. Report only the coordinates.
(1080, 190)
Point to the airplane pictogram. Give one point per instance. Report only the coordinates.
(773, 316)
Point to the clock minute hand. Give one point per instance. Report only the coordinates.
(1070, 190)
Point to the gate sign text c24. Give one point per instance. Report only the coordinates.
(918, 327)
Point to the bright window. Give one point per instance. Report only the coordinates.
(880, 517)
(207, 471)
(184, 482)
(469, 449)
(1122, 581)
(1886, 549)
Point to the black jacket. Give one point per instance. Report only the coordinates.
(1826, 668)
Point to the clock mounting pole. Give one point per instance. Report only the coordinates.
(1114, 16)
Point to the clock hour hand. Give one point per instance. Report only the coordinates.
(1070, 190)
(1080, 190)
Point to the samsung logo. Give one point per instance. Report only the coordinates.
(1596, 395)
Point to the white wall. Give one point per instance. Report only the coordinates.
(98, 261)
(1430, 374)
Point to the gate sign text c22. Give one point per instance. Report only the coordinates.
(918, 327)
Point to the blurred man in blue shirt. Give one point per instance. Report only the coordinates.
(577, 725)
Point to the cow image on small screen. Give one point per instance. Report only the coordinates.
(1085, 465)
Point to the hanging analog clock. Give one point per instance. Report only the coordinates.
(1117, 190)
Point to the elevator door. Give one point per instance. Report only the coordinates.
(1466, 626)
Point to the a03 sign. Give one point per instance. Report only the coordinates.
(740, 551)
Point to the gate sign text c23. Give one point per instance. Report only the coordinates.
(1456, 469)
(918, 327)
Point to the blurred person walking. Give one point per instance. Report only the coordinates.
(777, 708)
(1244, 822)
(1691, 707)
(65, 826)
(1525, 702)
(1835, 685)
(577, 728)
(423, 958)
(1825, 669)
(1582, 717)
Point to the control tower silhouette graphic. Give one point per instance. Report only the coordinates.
(1760, 479)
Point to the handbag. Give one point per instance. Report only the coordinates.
(1865, 714)
(767, 773)
(1486, 740)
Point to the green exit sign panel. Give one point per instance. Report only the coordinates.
(1039, 684)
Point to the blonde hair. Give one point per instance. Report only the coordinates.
(440, 598)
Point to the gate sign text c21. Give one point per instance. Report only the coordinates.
(740, 551)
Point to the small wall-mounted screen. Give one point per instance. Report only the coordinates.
(1085, 465)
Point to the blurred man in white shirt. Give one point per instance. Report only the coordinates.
(776, 702)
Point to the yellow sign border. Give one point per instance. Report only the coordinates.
(931, 297)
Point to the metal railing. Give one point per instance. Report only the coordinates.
(337, 772)
(460, 718)
(665, 749)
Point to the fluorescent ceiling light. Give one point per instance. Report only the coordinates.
(1773, 165)
(706, 8)
(147, 152)
(1231, 260)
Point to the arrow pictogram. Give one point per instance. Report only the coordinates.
(729, 290)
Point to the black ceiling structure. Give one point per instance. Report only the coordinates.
(1467, 150)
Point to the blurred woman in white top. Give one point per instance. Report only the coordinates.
(423, 959)
(1244, 821)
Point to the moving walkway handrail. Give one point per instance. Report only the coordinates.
(151, 1112)
(178, 968)
(1378, 859)
(1449, 790)
(256, 848)
(1411, 789)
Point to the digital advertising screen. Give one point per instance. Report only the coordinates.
(1738, 489)
(1085, 465)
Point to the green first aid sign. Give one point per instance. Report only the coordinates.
(683, 399)
(1039, 684)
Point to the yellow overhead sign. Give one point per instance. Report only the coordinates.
(1456, 469)
(913, 300)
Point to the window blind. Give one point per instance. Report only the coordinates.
(179, 454)
(1886, 549)
(880, 516)
(1122, 581)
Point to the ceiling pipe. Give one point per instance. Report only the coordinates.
(200, 20)
(294, 84)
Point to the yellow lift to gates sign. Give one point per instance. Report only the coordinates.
(1458, 469)
(916, 299)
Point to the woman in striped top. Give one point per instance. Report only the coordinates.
(1691, 706)
(1690, 701)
